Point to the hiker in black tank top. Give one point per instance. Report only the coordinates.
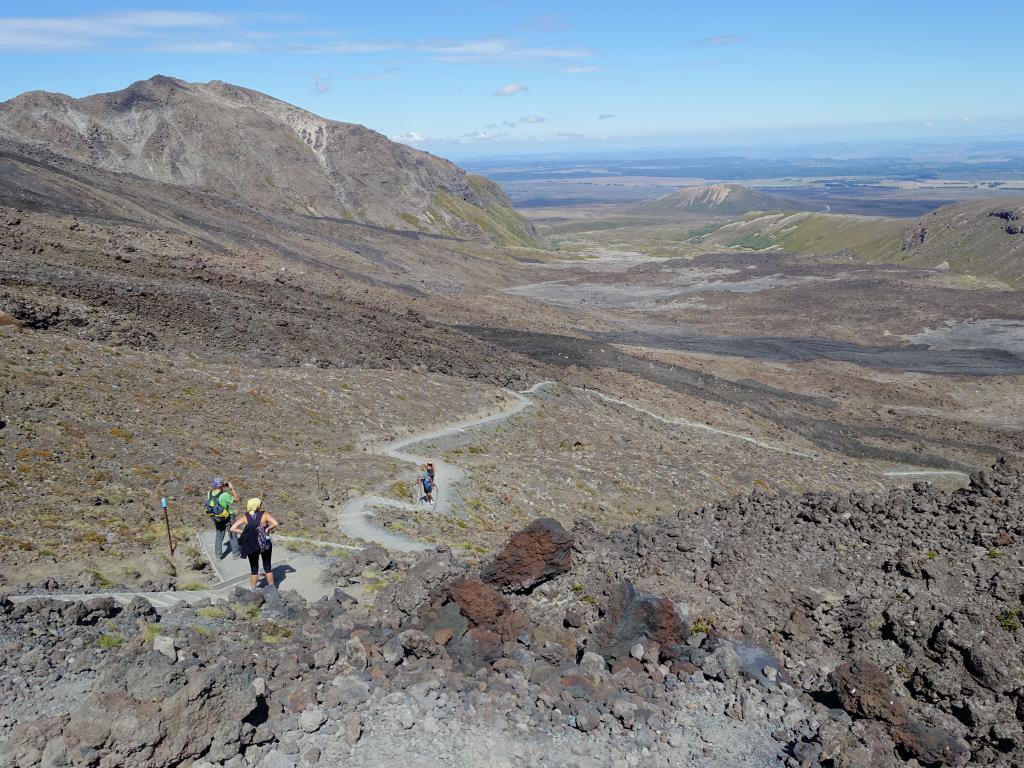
(254, 540)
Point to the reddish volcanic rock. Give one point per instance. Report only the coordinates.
(864, 690)
(485, 608)
(635, 617)
(532, 556)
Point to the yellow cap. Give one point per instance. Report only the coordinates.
(253, 504)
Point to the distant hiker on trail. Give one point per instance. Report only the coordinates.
(254, 542)
(218, 507)
(428, 483)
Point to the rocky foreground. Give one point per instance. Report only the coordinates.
(816, 630)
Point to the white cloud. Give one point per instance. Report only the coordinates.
(409, 138)
(607, 116)
(209, 46)
(579, 69)
(55, 33)
(201, 32)
(321, 84)
(494, 49)
(481, 136)
(511, 89)
(722, 40)
(531, 119)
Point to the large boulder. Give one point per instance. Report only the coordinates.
(485, 608)
(406, 597)
(537, 553)
(865, 691)
(638, 617)
(471, 620)
(148, 712)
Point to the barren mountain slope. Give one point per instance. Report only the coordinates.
(716, 199)
(246, 145)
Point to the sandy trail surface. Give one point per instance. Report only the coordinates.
(354, 519)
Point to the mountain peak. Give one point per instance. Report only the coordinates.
(243, 144)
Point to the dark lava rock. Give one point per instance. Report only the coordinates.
(477, 648)
(865, 691)
(485, 608)
(445, 618)
(532, 556)
(635, 617)
(930, 745)
(145, 711)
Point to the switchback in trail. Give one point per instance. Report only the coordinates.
(304, 573)
(354, 519)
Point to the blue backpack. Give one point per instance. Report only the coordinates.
(427, 485)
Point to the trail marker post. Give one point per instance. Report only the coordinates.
(167, 524)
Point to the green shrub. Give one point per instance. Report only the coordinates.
(102, 582)
(701, 625)
(150, 632)
(275, 633)
(1008, 620)
(211, 612)
(109, 640)
(246, 612)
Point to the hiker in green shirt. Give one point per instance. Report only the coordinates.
(218, 507)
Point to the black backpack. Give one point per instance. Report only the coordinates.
(249, 538)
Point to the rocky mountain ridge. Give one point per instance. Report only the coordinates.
(981, 237)
(245, 145)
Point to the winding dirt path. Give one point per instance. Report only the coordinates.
(354, 519)
(698, 425)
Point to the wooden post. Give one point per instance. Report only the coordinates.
(167, 523)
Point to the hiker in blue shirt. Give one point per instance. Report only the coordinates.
(428, 483)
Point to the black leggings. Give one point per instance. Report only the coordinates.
(254, 561)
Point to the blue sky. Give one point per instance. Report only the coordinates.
(484, 77)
